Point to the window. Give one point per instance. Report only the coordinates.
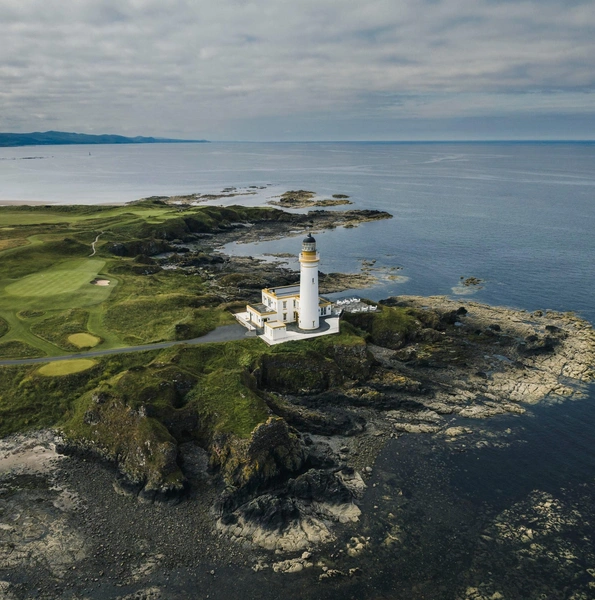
(312, 279)
(285, 316)
(284, 303)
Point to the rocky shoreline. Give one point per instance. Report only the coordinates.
(465, 363)
(189, 505)
(307, 199)
(68, 518)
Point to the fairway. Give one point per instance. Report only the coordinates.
(66, 367)
(83, 340)
(54, 215)
(67, 276)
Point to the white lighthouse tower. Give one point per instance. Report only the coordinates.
(309, 259)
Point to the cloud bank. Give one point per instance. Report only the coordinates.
(313, 69)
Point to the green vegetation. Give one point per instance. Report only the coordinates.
(66, 277)
(3, 327)
(16, 349)
(214, 381)
(389, 326)
(13, 243)
(66, 367)
(162, 317)
(136, 407)
(30, 314)
(58, 328)
(29, 400)
(46, 275)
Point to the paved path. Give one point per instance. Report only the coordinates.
(93, 244)
(225, 333)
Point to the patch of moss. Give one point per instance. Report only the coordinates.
(161, 387)
(227, 404)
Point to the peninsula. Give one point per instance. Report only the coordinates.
(61, 138)
(137, 464)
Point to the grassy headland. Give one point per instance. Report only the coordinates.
(78, 276)
(90, 271)
(71, 277)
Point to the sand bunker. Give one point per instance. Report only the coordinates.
(101, 282)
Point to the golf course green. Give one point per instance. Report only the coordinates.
(65, 277)
(63, 287)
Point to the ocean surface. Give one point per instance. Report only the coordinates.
(518, 216)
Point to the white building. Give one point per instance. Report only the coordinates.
(297, 303)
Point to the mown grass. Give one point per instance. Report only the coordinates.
(66, 277)
(51, 276)
(77, 214)
(83, 340)
(66, 367)
(44, 252)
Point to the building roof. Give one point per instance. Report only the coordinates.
(309, 239)
(276, 325)
(261, 309)
(282, 291)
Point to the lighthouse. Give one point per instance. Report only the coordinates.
(274, 319)
(309, 301)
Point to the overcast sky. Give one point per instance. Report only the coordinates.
(300, 69)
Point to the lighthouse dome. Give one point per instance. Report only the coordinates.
(309, 244)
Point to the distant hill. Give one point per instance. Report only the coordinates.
(52, 138)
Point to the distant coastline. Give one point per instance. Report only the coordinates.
(53, 138)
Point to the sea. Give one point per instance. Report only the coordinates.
(510, 517)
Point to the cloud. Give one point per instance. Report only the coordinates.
(181, 67)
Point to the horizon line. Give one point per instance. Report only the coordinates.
(474, 141)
